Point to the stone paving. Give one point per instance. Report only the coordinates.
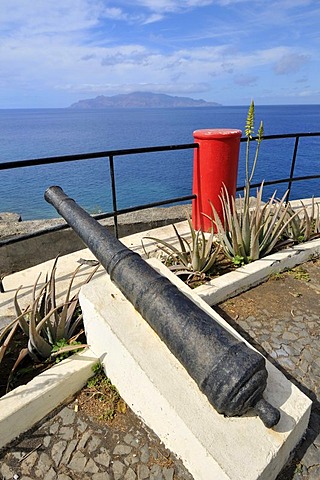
(68, 445)
(280, 317)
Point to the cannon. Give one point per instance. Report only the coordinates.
(231, 375)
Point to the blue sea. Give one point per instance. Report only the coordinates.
(34, 133)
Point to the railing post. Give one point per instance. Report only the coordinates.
(293, 164)
(215, 164)
(114, 196)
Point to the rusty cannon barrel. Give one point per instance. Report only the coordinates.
(231, 375)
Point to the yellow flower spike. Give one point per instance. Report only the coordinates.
(249, 128)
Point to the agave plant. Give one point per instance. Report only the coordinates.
(197, 255)
(51, 327)
(248, 233)
(305, 225)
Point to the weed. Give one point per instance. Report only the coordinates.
(96, 368)
(276, 276)
(50, 327)
(62, 344)
(298, 469)
(102, 396)
(238, 260)
(195, 256)
(300, 273)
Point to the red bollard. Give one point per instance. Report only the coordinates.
(215, 164)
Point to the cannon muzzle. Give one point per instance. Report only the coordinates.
(231, 375)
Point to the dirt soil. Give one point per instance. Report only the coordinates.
(281, 293)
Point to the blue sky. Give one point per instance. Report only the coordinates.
(55, 52)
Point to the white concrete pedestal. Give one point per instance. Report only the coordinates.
(159, 390)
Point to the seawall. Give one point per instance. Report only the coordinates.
(29, 252)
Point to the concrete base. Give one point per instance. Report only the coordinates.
(159, 390)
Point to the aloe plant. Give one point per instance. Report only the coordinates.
(249, 233)
(51, 327)
(197, 255)
(305, 225)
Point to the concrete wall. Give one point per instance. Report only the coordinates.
(27, 253)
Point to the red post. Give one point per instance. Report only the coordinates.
(215, 164)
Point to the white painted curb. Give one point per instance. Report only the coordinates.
(231, 284)
(159, 390)
(24, 406)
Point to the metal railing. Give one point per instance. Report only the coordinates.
(291, 177)
(111, 154)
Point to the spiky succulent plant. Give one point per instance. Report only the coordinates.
(50, 326)
(305, 225)
(196, 254)
(251, 232)
(247, 232)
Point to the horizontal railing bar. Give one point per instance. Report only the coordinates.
(93, 155)
(284, 135)
(130, 151)
(282, 180)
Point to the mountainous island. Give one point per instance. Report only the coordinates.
(141, 100)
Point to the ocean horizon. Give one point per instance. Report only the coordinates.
(37, 133)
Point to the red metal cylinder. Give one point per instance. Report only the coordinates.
(215, 164)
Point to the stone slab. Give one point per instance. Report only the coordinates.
(159, 390)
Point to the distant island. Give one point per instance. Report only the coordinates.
(141, 100)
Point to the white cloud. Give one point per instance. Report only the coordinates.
(48, 17)
(289, 4)
(115, 13)
(309, 93)
(124, 55)
(155, 17)
(302, 80)
(84, 45)
(290, 63)
(172, 5)
(246, 80)
(60, 59)
(111, 89)
(230, 2)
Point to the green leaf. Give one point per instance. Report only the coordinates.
(62, 318)
(8, 339)
(21, 316)
(171, 249)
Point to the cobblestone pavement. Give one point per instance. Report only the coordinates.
(280, 317)
(68, 445)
